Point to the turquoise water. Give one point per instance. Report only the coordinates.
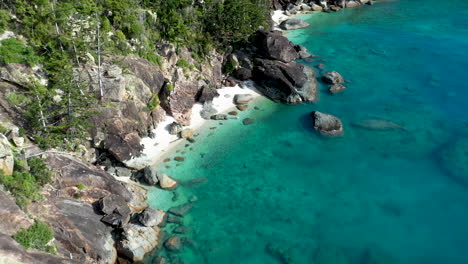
(367, 197)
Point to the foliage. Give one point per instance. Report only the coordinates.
(14, 51)
(170, 87)
(26, 180)
(36, 236)
(3, 129)
(153, 102)
(80, 186)
(4, 20)
(16, 98)
(230, 66)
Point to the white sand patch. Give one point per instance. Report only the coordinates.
(163, 141)
(278, 16)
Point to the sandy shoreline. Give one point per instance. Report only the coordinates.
(163, 142)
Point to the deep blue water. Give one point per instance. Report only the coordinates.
(400, 196)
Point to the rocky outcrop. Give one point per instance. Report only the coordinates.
(242, 98)
(6, 156)
(291, 82)
(150, 176)
(293, 23)
(337, 88)
(138, 240)
(275, 46)
(22, 75)
(206, 94)
(13, 217)
(327, 124)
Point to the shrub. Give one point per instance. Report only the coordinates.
(40, 171)
(170, 87)
(80, 186)
(23, 186)
(14, 51)
(153, 102)
(4, 20)
(36, 236)
(183, 63)
(230, 66)
(15, 98)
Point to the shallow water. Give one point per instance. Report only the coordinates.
(387, 196)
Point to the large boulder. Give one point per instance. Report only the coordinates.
(174, 244)
(275, 46)
(146, 71)
(14, 217)
(293, 23)
(182, 209)
(138, 240)
(207, 93)
(291, 82)
(150, 176)
(167, 182)
(333, 78)
(151, 217)
(115, 209)
(6, 156)
(242, 98)
(327, 124)
(208, 110)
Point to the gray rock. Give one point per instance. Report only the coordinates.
(333, 78)
(6, 156)
(243, 74)
(123, 172)
(152, 217)
(337, 88)
(302, 51)
(166, 182)
(207, 93)
(182, 209)
(14, 217)
(115, 208)
(174, 219)
(275, 46)
(291, 83)
(181, 230)
(293, 23)
(327, 124)
(208, 110)
(242, 98)
(139, 240)
(219, 117)
(175, 128)
(150, 176)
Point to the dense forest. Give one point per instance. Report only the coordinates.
(59, 35)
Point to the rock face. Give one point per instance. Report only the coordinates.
(333, 78)
(302, 52)
(139, 240)
(327, 124)
(13, 253)
(152, 217)
(291, 82)
(167, 182)
(206, 94)
(6, 156)
(293, 23)
(14, 217)
(275, 46)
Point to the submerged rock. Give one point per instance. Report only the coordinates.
(378, 124)
(283, 255)
(182, 209)
(329, 254)
(181, 230)
(454, 159)
(174, 244)
(293, 23)
(327, 124)
(219, 117)
(248, 121)
(337, 88)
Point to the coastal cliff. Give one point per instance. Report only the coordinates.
(84, 115)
